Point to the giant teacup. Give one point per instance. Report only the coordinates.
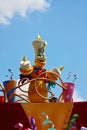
(68, 93)
(10, 90)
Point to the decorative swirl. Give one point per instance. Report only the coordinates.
(27, 81)
(47, 121)
(48, 80)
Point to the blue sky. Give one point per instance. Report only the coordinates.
(62, 23)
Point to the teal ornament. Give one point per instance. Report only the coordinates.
(47, 121)
(52, 128)
(50, 84)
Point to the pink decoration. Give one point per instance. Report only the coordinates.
(27, 129)
(68, 94)
(19, 125)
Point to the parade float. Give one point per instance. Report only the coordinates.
(37, 108)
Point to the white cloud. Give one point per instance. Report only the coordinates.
(10, 8)
(77, 97)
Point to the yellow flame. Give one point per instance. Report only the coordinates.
(24, 58)
(39, 37)
(61, 68)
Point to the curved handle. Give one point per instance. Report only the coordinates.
(21, 96)
(20, 84)
(38, 78)
(21, 81)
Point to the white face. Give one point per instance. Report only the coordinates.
(39, 48)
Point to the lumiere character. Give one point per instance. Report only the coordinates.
(38, 69)
(37, 88)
